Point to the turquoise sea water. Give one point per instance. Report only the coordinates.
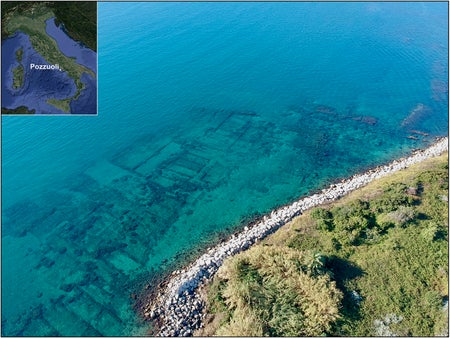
(209, 114)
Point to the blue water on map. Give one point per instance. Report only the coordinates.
(38, 86)
(209, 115)
(83, 55)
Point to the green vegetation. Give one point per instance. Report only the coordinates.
(18, 110)
(34, 26)
(30, 18)
(79, 19)
(19, 54)
(273, 292)
(63, 104)
(10, 7)
(18, 72)
(18, 77)
(384, 247)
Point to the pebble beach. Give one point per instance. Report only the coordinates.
(178, 308)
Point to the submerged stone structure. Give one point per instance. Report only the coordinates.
(178, 305)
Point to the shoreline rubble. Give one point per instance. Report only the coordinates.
(178, 306)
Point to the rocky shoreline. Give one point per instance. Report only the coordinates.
(177, 307)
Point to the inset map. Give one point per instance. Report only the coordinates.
(49, 57)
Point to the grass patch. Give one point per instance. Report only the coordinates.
(383, 250)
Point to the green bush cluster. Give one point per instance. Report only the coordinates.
(387, 244)
(275, 291)
(365, 221)
(397, 237)
(394, 196)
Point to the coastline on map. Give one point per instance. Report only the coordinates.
(46, 69)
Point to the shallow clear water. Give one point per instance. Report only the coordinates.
(209, 114)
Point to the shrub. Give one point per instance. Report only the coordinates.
(324, 218)
(394, 196)
(350, 224)
(268, 292)
(354, 215)
(403, 271)
(373, 235)
(321, 213)
(434, 232)
(401, 216)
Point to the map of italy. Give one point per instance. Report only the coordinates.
(49, 59)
